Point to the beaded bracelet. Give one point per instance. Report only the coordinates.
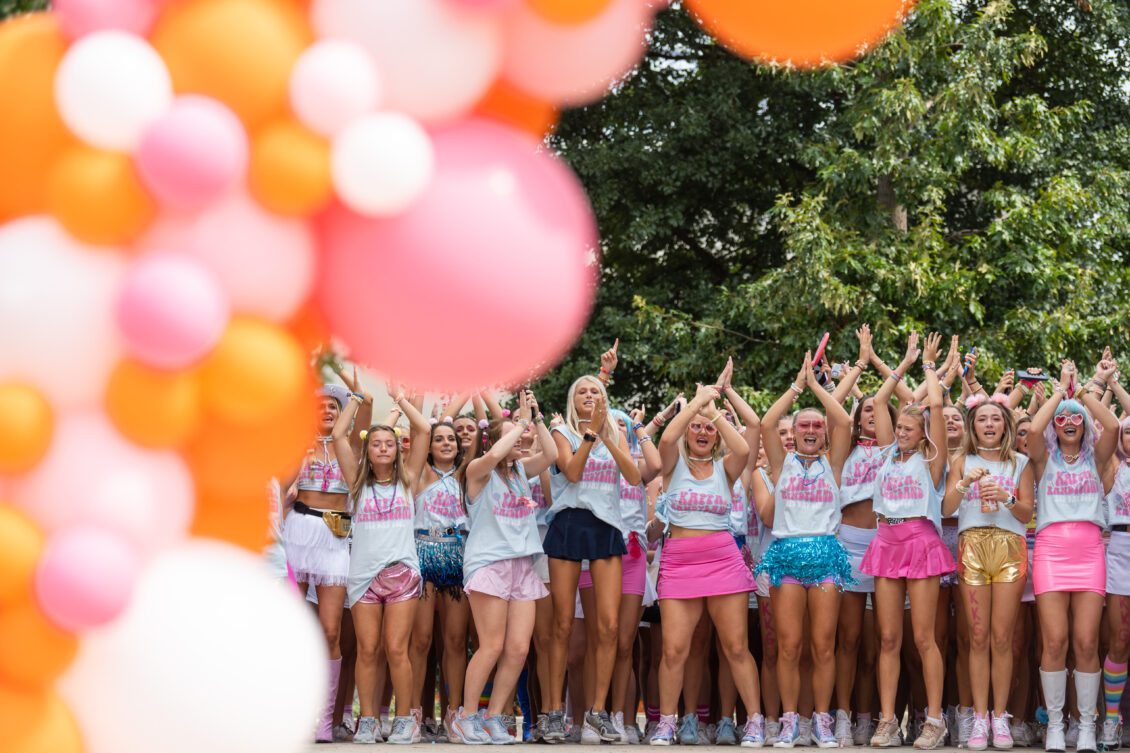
(645, 438)
(637, 426)
(896, 377)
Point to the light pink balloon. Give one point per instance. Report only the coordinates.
(195, 152)
(85, 577)
(333, 83)
(92, 475)
(80, 17)
(575, 64)
(435, 59)
(171, 311)
(490, 6)
(489, 276)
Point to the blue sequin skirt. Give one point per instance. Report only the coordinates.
(807, 560)
(441, 562)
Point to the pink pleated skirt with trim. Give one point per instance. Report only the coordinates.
(911, 550)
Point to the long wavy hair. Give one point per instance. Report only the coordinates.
(572, 420)
(857, 417)
(458, 444)
(365, 474)
(1008, 441)
(1120, 450)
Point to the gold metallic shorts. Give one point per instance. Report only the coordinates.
(990, 555)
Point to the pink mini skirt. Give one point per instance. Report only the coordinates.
(712, 565)
(912, 550)
(1069, 557)
(634, 575)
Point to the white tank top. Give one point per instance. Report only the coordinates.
(969, 513)
(1118, 501)
(698, 504)
(857, 482)
(1069, 493)
(633, 509)
(503, 523)
(598, 491)
(906, 490)
(440, 504)
(383, 535)
(806, 500)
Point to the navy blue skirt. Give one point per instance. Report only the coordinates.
(579, 535)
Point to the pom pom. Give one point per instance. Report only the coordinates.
(433, 420)
(483, 423)
(506, 413)
(448, 420)
(364, 434)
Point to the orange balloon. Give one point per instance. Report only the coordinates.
(26, 425)
(568, 11)
(21, 543)
(256, 370)
(98, 197)
(36, 722)
(807, 33)
(33, 651)
(510, 105)
(238, 51)
(32, 133)
(153, 408)
(290, 169)
(309, 326)
(232, 465)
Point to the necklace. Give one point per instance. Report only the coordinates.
(989, 449)
(905, 455)
(383, 480)
(807, 457)
(706, 459)
(867, 441)
(1070, 458)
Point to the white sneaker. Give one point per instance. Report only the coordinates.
(964, 724)
(1021, 734)
(618, 724)
(1086, 742)
(590, 735)
(772, 731)
(843, 728)
(864, 729)
(1112, 733)
(804, 736)
(1071, 737)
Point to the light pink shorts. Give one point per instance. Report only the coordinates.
(633, 575)
(710, 565)
(512, 580)
(393, 584)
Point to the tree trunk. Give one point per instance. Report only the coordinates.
(895, 211)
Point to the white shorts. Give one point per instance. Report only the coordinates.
(762, 581)
(1118, 564)
(1029, 590)
(856, 541)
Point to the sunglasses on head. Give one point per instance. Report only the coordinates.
(1063, 419)
(707, 428)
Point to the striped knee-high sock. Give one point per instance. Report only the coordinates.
(1114, 682)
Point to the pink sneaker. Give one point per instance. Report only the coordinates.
(979, 735)
(1002, 735)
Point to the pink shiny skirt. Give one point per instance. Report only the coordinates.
(912, 550)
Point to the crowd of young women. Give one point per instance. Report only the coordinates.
(590, 565)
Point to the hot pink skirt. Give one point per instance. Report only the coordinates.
(634, 574)
(712, 565)
(1069, 557)
(911, 550)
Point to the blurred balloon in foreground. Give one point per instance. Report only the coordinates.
(332, 83)
(34, 651)
(21, 543)
(26, 424)
(85, 577)
(381, 164)
(244, 655)
(500, 200)
(153, 407)
(805, 33)
(37, 721)
(80, 17)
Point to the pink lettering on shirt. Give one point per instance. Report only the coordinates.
(387, 510)
(510, 507)
(1074, 483)
(800, 489)
(692, 501)
(1122, 505)
(863, 472)
(443, 504)
(895, 487)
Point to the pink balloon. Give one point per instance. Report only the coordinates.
(491, 6)
(92, 475)
(193, 153)
(85, 577)
(81, 17)
(486, 279)
(171, 311)
(575, 64)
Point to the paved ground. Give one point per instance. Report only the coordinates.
(561, 748)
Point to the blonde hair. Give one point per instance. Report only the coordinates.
(715, 452)
(572, 420)
(1008, 441)
(922, 414)
(365, 473)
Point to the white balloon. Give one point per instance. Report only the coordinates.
(333, 82)
(381, 163)
(110, 86)
(211, 655)
(57, 327)
(435, 60)
(91, 474)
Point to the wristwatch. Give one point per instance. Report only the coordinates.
(1010, 502)
(589, 437)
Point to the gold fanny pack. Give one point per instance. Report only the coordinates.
(339, 523)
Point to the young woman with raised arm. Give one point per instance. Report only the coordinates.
(499, 576)
(806, 564)
(907, 555)
(585, 524)
(384, 569)
(992, 489)
(1116, 478)
(701, 566)
(1069, 564)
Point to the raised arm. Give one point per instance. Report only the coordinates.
(572, 464)
(346, 458)
(774, 447)
(491, 402)
(1111, 436)
(898, 388)
(844, 388)
(456, 405)
(420, 428)
(547, 456)
(884, 429)
(839, 423)
(650, 464)
(364, 413)
(669, 442)
(747, 416)
(937, 427)
(1120, 393)
(620, 452)
(608, 361)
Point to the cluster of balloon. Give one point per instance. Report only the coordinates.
(196, 192)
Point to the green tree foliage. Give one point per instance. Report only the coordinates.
(970, 175)
(13, 7)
